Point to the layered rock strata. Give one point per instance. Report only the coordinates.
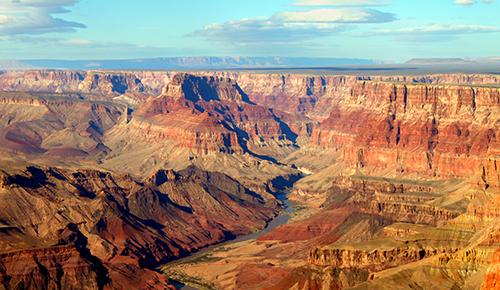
(91, 226)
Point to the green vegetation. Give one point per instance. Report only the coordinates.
(205, 258)
(195, 282)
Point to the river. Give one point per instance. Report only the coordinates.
(282, 218)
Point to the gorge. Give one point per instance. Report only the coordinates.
(107, 178)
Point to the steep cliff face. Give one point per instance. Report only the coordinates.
(105, 84)
(492, 279)
(465, 79)
(490, 173)
(115, 220)
(285, 92)
(69, 264)
(43, 81)
(445, 131)
(59, 125)
(378, 232)
(288, 93)
(313, 96)
(211, 114)
(375, 260)
(402, 170)
(57, 267)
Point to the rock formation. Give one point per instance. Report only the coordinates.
(104, 176)
(88, 224)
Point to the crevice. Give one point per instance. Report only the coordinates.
(398, 133)
(473, 101)
(432, 142)
(405, 98)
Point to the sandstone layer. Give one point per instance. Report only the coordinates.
(96, 227)
(105, 176)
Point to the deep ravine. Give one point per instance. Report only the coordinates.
(281, 219)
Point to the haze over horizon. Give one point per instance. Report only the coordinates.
(389, 31)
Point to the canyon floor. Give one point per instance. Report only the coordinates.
(249, 180)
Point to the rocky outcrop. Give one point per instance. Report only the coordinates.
(70, 264)
(210, 114)
(401, 212)
(110, 84)
(42, 81)
(316, 278)
(56, 267)
(490, 173)
(106, 84)
(375, 260)
(452, 79)
(373, 122)
(492, 279)
(393, 199)
(400, 169)
(196, 88)
(115, 221)
(58, 125)
(444, 130)
(486, 212)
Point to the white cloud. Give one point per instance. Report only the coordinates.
(78, 42)
(464, 2)
(291, 27)
(471, 2)
(270, 31)
(35, 16)
(341, 2)
(340, 15)
(65, 42)
(3, 19)
(441, 29)
(43, 46)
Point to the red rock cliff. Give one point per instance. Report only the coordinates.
(433, 130)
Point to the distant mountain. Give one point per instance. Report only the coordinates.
(437, 61)
(14, 64)
(453, 61)
(185, 63)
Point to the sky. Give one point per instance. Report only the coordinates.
(383, 30)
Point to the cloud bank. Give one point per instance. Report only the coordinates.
(289, 27)
(341, 2)
(471, 2)
(441, 29)
(19, 17)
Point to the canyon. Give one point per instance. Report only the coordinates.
(107, 178)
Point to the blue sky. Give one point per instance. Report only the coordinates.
(385, 30)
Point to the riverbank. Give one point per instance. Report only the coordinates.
(182, 280)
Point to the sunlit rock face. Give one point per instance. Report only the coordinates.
(443, 130)
(105, 176)
(89, 224)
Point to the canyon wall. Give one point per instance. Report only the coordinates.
(94, 229)
(407, 164)
(434, 130)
